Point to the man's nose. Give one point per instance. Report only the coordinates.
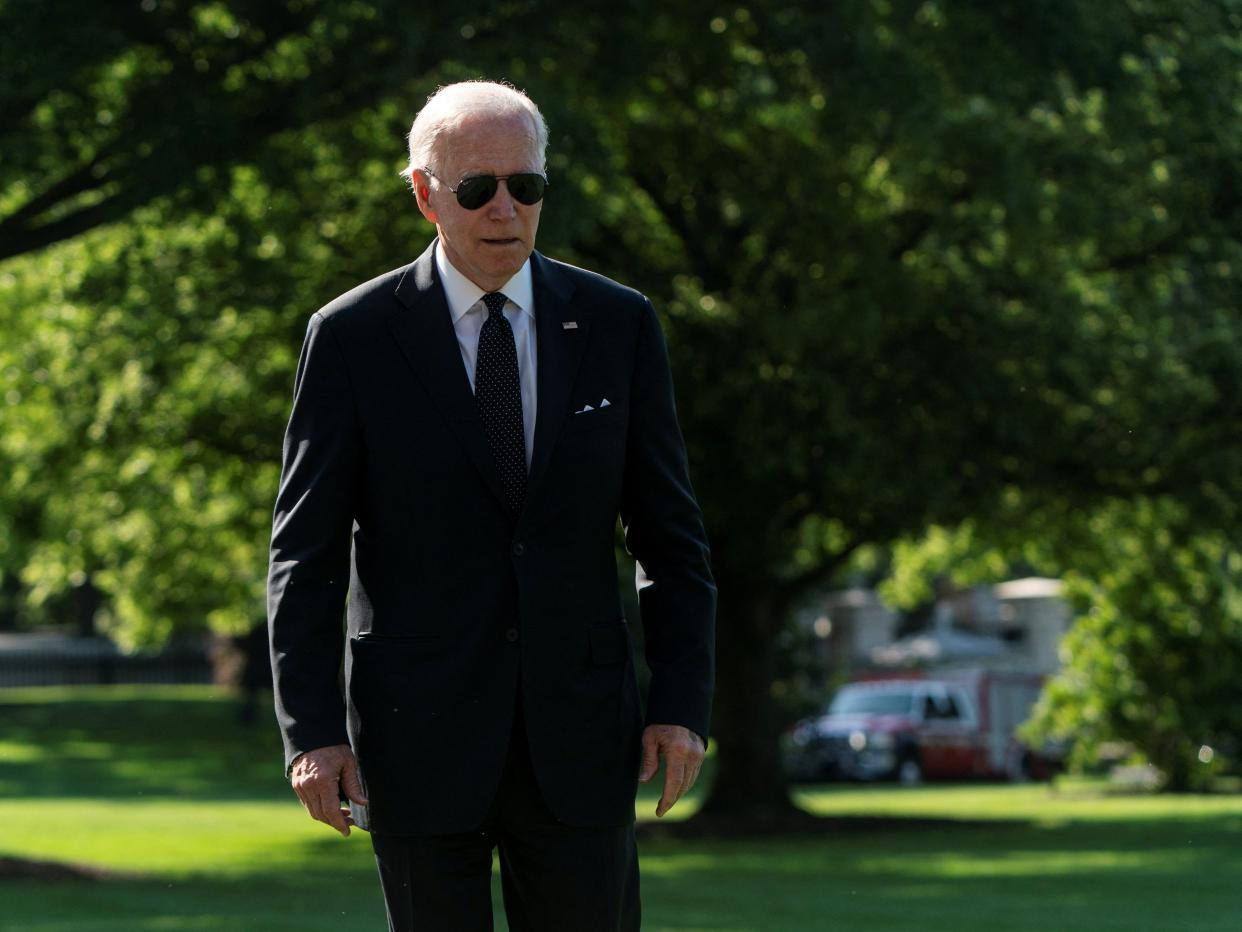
(502, 206)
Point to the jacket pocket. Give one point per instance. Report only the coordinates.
(612, 416)
(373, 636)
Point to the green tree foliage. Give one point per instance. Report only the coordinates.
(918, 263)
(1155, 655)
(926, 266)
(150, 382)
(111, 106)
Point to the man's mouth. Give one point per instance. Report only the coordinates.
(502, 241)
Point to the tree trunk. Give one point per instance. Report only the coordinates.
(749, 789)
(1172, 756)
(87, 600)
(10, 594)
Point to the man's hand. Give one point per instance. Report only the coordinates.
(320, 777)
(682, 751)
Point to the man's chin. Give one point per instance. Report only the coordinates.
(501, 264)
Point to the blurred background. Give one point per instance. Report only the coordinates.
(952, 296)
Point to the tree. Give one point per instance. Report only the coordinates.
(915, 264)
(920, 265)
(1155, 650)
(146, 100)
(150, 384)
(1154, 657)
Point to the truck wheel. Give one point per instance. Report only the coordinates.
(910, 771)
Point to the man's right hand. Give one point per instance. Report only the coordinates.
(321, 776)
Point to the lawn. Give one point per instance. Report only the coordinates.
(192, 814)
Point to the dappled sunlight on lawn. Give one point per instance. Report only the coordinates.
(1069, 799)
(191, 811)
(129, 741)
(1036, 863)
(180, 837)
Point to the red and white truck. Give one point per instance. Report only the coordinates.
(955, 726)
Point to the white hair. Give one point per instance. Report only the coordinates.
(453, 104)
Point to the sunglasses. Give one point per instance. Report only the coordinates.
(475, 191)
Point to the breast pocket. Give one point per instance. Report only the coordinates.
(611, 417)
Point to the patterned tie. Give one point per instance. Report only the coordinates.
(498, 394)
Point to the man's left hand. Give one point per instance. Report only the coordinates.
(682, 751)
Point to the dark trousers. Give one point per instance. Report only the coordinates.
(554, 877)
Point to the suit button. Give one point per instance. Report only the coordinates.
(519, 548)
(511, 635)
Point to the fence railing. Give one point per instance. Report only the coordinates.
(44, 661)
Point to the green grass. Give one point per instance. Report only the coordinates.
(163, 785)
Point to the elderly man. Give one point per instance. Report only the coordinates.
(465, 432)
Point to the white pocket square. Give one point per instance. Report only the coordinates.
(586, 409)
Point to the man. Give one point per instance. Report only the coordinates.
(465, 432)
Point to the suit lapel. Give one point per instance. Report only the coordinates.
(559, 355)
(424, 330)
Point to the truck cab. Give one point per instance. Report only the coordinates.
(914, 729)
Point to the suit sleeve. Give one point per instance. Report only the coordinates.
(308, 576)
(664, 532)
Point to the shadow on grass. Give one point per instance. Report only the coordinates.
(196, 905)
(1074, 877)
(801, 824)
(321, 884)
(853, 872)
(29, 870)
(1080, 877)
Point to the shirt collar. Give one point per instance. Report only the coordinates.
(463, 294)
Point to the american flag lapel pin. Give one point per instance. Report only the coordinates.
(569, 325)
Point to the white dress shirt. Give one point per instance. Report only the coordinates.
(465, 302)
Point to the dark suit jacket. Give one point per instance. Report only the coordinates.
(390, 502)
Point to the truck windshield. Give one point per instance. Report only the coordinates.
(867, 702)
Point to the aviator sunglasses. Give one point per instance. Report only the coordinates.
(475, 191)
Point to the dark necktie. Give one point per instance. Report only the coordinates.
(498, 393)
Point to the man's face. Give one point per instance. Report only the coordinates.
(490, 244)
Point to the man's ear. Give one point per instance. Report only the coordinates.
(422, 196)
